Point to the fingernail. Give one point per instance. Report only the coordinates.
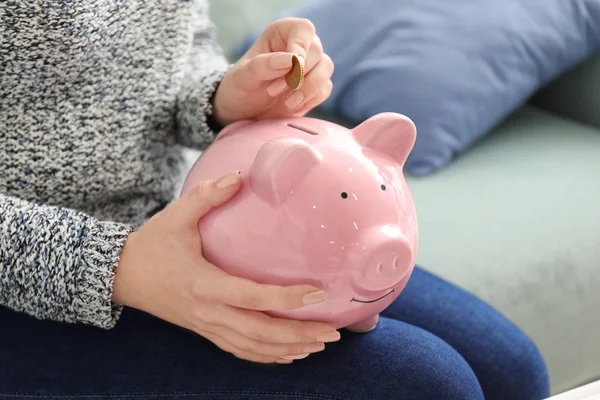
(276, 88)
(315, 348)
(298, 357)
(284, 361)
(294, 100)
(280, 61)
(329, 337)
(314, 298)
(228, 180)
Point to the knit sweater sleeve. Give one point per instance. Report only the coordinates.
(58, 264)
(204, 69)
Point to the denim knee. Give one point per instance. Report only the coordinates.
(506, 362)
(399, 360)
(515, 369)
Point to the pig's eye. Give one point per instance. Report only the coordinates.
(383, 187)
(344, 195)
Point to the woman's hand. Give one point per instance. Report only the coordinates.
(255, 86)
(162, 272)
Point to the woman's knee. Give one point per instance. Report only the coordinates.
(514, 368)
(507, 362)
(398, 360)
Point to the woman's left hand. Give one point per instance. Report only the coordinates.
(255, 87)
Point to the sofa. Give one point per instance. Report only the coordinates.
(515, 219)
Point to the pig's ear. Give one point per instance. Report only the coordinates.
(279, 166)
(391, 133)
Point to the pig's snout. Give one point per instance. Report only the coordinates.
(386, 258)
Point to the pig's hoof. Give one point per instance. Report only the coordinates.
(362, 330)
(364, 326)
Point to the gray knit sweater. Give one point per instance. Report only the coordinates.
(95, 98)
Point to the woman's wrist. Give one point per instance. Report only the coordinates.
(122, 287)
(221, 116)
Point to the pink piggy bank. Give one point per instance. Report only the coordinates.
(319, 204)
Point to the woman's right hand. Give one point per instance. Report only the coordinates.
(162, 272)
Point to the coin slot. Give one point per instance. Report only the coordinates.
(302, 128)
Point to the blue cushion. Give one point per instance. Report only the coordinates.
(457, 68)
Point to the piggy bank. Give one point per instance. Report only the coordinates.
(319, 204)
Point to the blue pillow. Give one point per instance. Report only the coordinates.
(456, 68)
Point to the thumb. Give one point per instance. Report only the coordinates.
(205, 196)
(300, 35)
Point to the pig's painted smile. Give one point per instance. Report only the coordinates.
(372, 301)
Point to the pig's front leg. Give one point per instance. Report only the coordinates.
(365, 325)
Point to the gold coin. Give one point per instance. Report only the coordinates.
(295, 77)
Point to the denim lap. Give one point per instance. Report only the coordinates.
(144, 355)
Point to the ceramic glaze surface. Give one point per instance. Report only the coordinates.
(319, 204)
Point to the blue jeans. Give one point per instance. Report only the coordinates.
(435, 342)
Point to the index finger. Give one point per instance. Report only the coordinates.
(300, 36)
(243, 293)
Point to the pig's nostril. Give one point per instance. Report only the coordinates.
(380, 267)
(396, 262)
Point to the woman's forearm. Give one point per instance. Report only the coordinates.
(57, 263)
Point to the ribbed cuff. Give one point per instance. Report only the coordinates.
(100, 253)
(197, 126)
(212, 82)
